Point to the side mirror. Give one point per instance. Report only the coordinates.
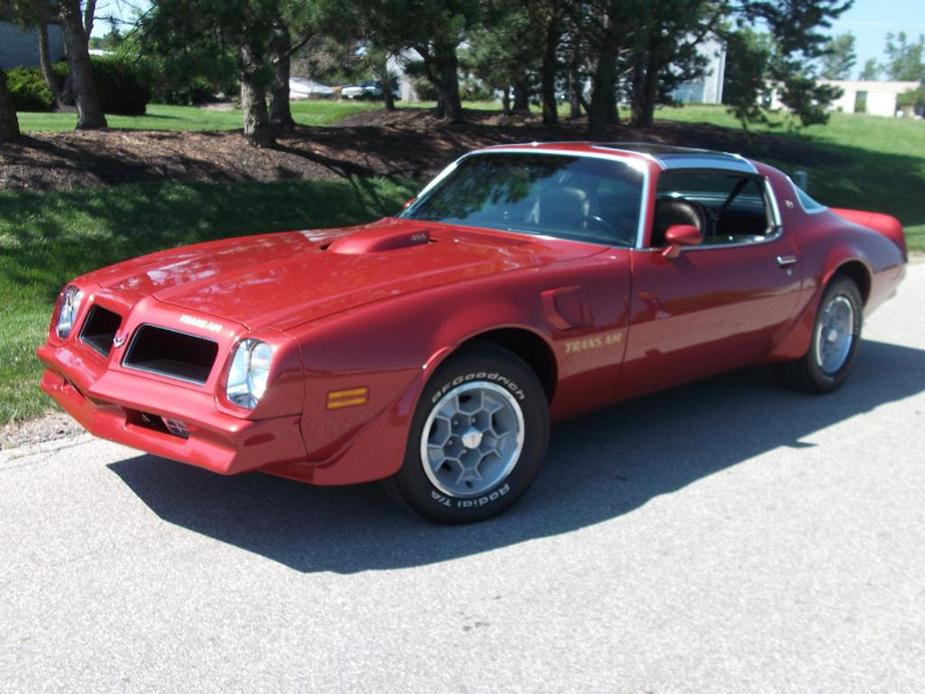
(679, 235)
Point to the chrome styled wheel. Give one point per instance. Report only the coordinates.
(833, 343)
(477, 438)
(834, 334)
(472, 439)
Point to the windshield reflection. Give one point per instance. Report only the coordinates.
(566, 196)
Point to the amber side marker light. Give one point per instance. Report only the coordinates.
(347, 398)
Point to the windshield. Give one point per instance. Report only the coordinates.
(566, 196)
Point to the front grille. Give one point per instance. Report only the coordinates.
(171, 353)
(100, 328)
(161, 425)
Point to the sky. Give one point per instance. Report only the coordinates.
(869, 20)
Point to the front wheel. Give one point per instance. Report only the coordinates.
(835, 339)
(477, 438)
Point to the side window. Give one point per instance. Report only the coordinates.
(727, 207)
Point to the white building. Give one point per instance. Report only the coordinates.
(859, 96)
(707, 89)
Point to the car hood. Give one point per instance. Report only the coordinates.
(284, 279)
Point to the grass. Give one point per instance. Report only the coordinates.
(47, 239)
(163, 117)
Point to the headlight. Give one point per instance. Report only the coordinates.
(250, 369)
(67, 311)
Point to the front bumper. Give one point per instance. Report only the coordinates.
(126, 408)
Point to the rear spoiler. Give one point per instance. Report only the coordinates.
(884, 224)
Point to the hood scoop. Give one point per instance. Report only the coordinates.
(379, 241)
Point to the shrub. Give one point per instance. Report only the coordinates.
(28, 89)
(912, 99)
(191, 78)
(122, 87)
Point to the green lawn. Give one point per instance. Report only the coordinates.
(163, 117)
(48, 238)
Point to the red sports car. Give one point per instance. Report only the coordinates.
(524, 285)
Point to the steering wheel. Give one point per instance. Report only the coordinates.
(600, 222)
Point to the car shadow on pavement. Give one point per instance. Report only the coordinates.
(599, 467)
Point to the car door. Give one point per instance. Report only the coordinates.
(716, 306)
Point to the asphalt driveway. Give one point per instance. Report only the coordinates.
(729, 536)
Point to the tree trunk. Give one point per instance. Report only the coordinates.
(51, 80)
(280, 112)
(574, 88)
(446, 81)
(645, 91)
(89, 111)
(548, 72)
(603, 96)
(9, 124)
(388, 98)
(521, 96)
(506, 101)
(257, 129)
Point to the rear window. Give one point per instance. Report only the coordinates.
(809, 205)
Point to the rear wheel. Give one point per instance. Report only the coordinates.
(477, 439)
(835, 340)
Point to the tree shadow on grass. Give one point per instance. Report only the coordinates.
(46, 240)
(599, 467)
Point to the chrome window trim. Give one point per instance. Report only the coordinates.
(776, 218)
(528, 149)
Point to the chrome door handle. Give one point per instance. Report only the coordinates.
(785, 260)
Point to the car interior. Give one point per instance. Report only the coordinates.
(727, 207)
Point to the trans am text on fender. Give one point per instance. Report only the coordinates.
(524, 285)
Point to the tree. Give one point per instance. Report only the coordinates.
(607, 28)
(432, 28)
(352, 32)
(501, 55)
(548, 18)
(9, 124)
(665, 50)
(77, 27)
(785, 59)
(76, 19)
(807, 99)
(839, 58)
(748, 59)
(913, 100)
(241, 30)
(51, 79)
(871, 71)
(904, 59)
(293, 27)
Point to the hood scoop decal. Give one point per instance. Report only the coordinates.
(379, 241)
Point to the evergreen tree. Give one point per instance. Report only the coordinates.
(839, 58)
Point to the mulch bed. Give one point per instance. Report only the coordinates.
(408, 142)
